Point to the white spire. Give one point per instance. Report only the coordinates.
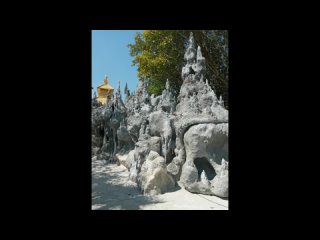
(167, 84)
(191, 40)
(199, 53)
(201, 78)
(204, 178)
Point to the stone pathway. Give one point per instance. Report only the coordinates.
(111, 190)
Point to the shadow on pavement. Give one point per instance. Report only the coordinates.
(112, 191)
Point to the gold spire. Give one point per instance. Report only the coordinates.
(106, 79)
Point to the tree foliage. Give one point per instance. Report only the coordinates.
(159, 56)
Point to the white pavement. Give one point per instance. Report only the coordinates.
(111, 190)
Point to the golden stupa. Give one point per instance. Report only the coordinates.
(105, 91)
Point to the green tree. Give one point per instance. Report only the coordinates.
(159, 56)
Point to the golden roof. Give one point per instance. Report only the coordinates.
(103, 86)
(106, 84)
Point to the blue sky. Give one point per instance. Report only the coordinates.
(111, 56)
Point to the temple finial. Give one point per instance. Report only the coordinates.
(106, 79)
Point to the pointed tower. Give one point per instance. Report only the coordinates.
(167, 84)
(201, 64)
(118, 100)
(190, 57)
(190, 54)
